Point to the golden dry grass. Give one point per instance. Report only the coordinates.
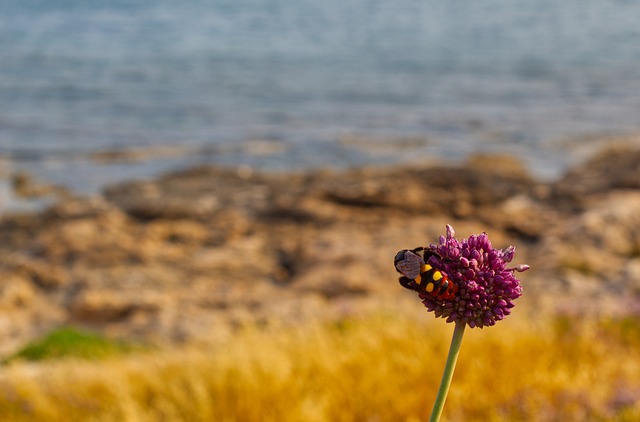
(380, 368)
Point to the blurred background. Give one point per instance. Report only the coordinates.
(206, 78)
(200, 203)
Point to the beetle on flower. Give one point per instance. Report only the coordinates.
(484, 287)
(466, 282)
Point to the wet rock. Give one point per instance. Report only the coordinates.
(133, 155)
(615, 168)
(612, 226)
(523, 216)
(147, 201)
(453, 190)
(25, 186)
(196, 194)
(79, 208)
(504, 165)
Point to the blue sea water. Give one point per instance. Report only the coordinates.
(310, 76)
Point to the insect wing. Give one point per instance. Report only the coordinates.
(408, 264)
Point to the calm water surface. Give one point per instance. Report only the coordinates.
(447, 78)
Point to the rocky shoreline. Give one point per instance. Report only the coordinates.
(194, 254)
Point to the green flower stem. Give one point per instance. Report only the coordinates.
(454, 350)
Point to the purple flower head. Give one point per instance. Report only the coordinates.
(486, 288)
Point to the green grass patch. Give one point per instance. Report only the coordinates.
(68, 342)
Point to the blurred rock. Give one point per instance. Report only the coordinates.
(208, 250)
(612, 225)
(25, 186)
(15, 292)
(96, 306)
(614, 168)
